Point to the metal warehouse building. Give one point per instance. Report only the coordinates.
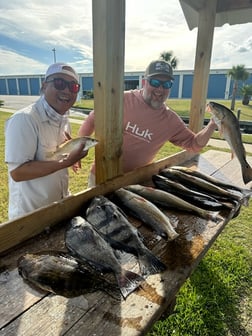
(219, 85)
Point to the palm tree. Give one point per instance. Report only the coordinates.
(246, 91)
(237, 73)
(168, 57)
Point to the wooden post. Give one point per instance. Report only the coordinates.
(202, 64)
(108, 49)
(238, 114)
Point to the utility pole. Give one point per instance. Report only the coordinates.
(54, 54)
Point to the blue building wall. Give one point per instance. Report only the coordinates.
(216, 86)
(87, 83)
(12, 85)
(34, 86)
(175, 87)
(219, 86)
(187, 86)
(3, 88)
(23, 86)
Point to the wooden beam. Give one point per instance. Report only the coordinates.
(197, 5)
(108, 49)
(233, 5)
(202, 64)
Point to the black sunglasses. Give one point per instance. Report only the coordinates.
(157, 83)
(61, 84)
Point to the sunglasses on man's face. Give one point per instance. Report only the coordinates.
(61, 84)
(157, 83)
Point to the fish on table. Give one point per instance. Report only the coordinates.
(87, 245)
(147, 212)
(61, 274)
(111, 222)
(68, 146)
(247, 193)
(212, 179)
(229, 127)
(201, 185)
(195, 197)
(168, 200)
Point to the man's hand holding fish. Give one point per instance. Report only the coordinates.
(77, 165)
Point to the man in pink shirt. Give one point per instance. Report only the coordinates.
(149, 123)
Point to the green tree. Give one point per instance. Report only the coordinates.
(168, 57)
(246, 91)
(237, 73)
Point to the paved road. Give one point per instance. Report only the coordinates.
(13, 103)
(17, 102)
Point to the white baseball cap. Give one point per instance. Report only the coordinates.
(61, 68)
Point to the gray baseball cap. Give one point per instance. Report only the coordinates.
(159, 68)
(62, 68)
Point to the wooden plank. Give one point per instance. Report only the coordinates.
(108, 49)
(202, 64)
(52, 316)
(99, 314)
(23, 228)
(15, 296)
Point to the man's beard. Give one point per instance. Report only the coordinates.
(153, 103)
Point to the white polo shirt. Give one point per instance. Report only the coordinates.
(29, 134)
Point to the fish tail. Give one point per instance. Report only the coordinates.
(212, 215)
(173, 234)
(150, 264)
(247, 174)
(112, 290)
(128, 282)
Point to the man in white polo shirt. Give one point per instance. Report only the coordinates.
(34, 180)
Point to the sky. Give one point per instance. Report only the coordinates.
(31, 29)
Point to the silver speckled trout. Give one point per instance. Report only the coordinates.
(228, 126)
(70, 145)
(147, 212)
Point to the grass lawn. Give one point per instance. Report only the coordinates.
(217, 299)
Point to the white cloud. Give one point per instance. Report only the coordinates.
(29, 30)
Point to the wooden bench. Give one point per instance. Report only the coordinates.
(27, 311)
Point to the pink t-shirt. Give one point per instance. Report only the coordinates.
(145, 130)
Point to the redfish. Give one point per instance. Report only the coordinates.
(228, 126)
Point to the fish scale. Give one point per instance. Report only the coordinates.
(61, 274)
(121, 234)
(70, 145)
(86, 244)
(147, 212)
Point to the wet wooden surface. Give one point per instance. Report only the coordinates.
(27, 311)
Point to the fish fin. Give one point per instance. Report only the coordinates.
(150, 264)
(213, 215)
(128, 282)
(56, 156)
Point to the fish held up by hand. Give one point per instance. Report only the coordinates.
(68, 146)
(229, 127)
